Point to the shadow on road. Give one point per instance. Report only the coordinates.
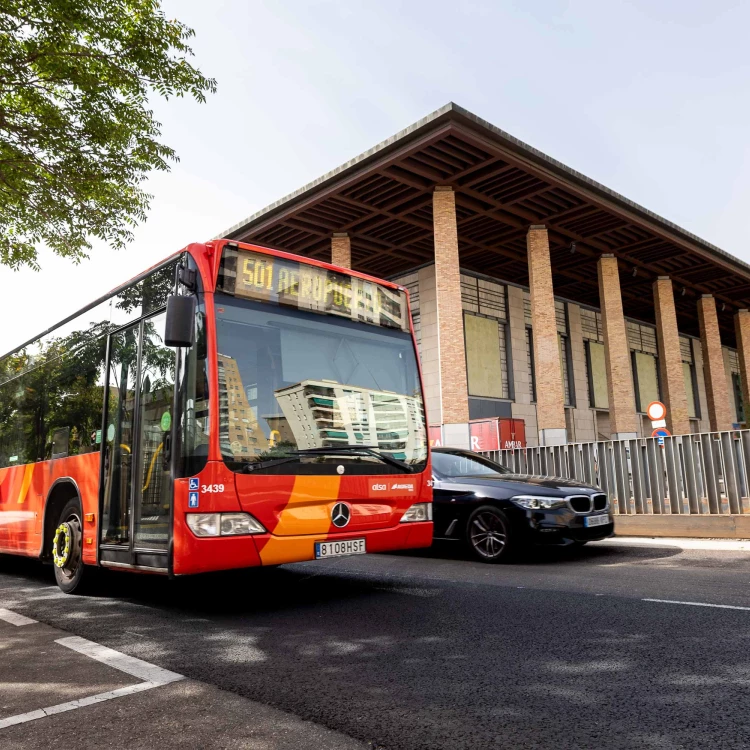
(550, 555)
(433, 664)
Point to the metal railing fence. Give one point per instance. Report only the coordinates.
(706, 473)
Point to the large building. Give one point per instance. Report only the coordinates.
(239, 431)
(537, 293)
(322, 413)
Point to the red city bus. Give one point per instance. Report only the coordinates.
(233, 406)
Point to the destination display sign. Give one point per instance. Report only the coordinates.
(280, 281)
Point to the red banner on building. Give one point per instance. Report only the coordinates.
(435, 436)
(485, 435)
(496, 434)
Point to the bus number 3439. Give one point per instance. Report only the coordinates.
(212, 488)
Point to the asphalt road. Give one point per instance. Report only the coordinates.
(434, 651)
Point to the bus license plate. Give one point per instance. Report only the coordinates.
(339, 549)
(596, 521)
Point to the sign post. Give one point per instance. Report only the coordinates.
(657, 413)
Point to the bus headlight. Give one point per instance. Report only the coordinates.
(418, 512)
(233, 524)
(223, 524)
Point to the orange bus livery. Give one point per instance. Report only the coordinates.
(232, 407)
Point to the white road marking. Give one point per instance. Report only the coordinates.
(151, 675)
(14, 618)
(40, 713)
(712, 545)
(129, 664)
(697, 604)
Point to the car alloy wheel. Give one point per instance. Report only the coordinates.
(487, 534)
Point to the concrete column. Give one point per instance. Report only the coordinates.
(742, 329)
(341, 250)
(670, 358)
(717, 392)
(623, 421)
(452, 356)
(550, 410)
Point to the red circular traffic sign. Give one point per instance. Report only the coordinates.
(661, 432)
(656, 411)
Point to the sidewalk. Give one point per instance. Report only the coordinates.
(63, 691)
(725, 545)
(683, 525)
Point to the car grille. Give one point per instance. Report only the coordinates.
(600, 502)
(580, 503)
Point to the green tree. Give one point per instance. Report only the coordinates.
(77, 137)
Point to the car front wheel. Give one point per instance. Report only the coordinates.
(488, 535)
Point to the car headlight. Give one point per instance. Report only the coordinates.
(418, 512)
(532, 502)
(223, 524)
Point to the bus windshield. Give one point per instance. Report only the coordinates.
(293, 382)
(312, 390)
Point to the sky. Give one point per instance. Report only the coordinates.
(648, 98)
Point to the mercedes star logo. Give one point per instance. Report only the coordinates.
(341, 514)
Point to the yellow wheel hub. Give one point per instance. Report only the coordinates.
(61, 545)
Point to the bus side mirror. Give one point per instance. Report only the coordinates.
(180, 326)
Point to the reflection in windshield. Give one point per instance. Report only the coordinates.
(292, 380)
(462, 465)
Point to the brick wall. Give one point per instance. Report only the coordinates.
(622, 414)
(341, 250)
(586, 424)
(453, 383)
(549, 390)
(670, 359)
(717, 393)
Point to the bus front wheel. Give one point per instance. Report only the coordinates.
(67, 548)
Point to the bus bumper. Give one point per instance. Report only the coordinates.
(193, 555)
(276, 550)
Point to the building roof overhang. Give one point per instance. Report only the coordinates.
(383, 200)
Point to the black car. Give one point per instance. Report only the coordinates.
(497, 512)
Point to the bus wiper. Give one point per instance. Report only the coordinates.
(248, 468)
(370, 450)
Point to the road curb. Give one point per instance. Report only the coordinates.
(687, 526)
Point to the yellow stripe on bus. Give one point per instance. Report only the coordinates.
(28, 473)
(306, 513)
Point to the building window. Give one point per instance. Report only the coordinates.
(597, 375)
(688, 374)
(485, 308)
(738, 402)
(530, 362)
(645, 364)
(486, 357)
(646, 380)
(566, 363)
(411, 282)
(732, 365)
(596, 369)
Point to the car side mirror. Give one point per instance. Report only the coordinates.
(179, 329)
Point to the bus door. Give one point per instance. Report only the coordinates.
(136, 483)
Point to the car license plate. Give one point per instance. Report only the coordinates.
(590, 521)
(339, 549)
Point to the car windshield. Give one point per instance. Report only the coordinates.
(465, 465)
(294, 384)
